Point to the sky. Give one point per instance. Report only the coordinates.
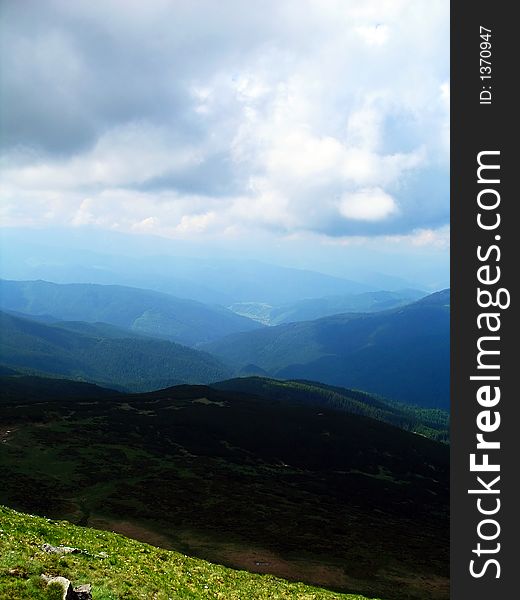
(313, 132)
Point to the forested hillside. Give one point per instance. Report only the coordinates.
(114, 359)
(402, 354)
(143, 311)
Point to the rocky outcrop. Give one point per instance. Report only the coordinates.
(82, 592)
(60, 549)
(64, 583)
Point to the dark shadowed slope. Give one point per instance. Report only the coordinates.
(430, 422)
(313, 494)
(402, 354)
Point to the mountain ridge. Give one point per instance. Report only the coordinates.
(154, 313)
(133, 362)
(432, 423)
(402, 353)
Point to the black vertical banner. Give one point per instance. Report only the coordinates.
(485, 267)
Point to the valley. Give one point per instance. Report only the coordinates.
(315, 308)
(139, 340)
(402, 354)
(315, 451)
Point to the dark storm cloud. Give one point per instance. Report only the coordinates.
(225, 116)
(70, 71)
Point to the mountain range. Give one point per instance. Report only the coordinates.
(403, 354)
(249, 446)
(315, 308)
(121, 337)
(143, 311)
(211, 280)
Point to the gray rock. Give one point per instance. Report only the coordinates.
(66, 585)
(83, 592)
(60, 549)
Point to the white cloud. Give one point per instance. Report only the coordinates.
(324, 116)
(436, 238)
(367, 205)
(374, 35)
(198, 223)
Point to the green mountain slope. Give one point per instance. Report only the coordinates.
(102, 354)
(118, 567)
(316, 308)
(143, 311)
(433, 423)
(309, 494)
(402, 354)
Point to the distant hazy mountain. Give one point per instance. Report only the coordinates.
(209, 280)
(403, 354)
(102, 354)
(144, 311)
(246, 281)
(201, 270)
(315, 308)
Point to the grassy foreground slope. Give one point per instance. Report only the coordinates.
(118, 567)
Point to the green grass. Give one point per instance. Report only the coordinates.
(129, 570)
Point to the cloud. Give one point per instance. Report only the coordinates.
(326, 117)
(435, 238)
(374, 35)
(367, 205)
